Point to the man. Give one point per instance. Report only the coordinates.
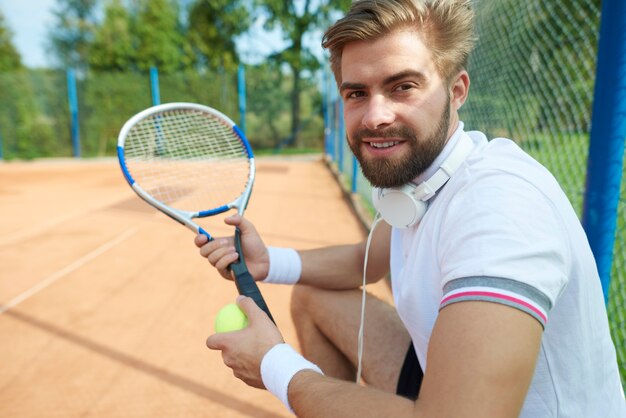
(497, 295)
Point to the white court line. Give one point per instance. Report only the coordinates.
(65, 271)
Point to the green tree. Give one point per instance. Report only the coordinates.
(268, 109)
(160, 39)
(10, 59)
(296, 19)
(71, 37)
(213, 27)
(24, 131)
(113, 41)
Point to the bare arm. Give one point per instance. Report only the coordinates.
(337, 267)
(481, 360)
(341, 267)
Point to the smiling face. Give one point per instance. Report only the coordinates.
(399, 112)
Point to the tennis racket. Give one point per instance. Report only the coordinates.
(191, 161)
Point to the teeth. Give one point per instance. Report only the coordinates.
(383, 144)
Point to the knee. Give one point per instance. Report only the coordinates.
(301, 296)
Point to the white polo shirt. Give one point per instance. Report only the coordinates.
(502, 230)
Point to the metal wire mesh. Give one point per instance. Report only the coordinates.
(617, 291)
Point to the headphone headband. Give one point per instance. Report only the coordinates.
(427, 189)
(404, 206)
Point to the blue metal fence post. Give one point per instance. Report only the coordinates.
(355, 173)
(73, 105)
(342, 133)
(332, 108)
(241, 92)
(608, 133)
(325, 111)
(154, 86)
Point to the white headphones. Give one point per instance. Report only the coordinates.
(404, 206)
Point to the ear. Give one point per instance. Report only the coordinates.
(459, 89)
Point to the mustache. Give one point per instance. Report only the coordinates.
(390, 132)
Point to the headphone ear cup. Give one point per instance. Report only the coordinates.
(398, 206)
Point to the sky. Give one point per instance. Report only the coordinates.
(30, 21)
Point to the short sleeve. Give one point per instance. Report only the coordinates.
(502, 241)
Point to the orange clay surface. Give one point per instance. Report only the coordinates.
(105, 303)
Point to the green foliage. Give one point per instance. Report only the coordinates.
(160, 40)
(217, 89)
(27, 131)
(213, 27)
(543, 54)
(269, 110)
(295, 22)
(113, 48)
(268, 105)
(71, 37)
(107, 100)
(10, 59)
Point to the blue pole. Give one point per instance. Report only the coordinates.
(606, 144)
(325, 91)
(342, 133)
(355, 172)
(154, 86)
(73, 105)
(1, 147)
(336, 142)
(241, 91)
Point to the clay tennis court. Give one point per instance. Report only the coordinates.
(105, 303)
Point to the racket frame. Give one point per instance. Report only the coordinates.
(244, 281)
(186, 217)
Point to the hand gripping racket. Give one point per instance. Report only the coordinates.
(190, 161)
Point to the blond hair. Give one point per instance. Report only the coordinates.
(447, 27)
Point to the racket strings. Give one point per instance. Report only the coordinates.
(187, 159)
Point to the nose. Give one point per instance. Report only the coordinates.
(378, 113)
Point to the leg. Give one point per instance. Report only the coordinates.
(327, 325)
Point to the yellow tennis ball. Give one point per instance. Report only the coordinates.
(230, 318)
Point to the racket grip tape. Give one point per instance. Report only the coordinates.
(246, 285)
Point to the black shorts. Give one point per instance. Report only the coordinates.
(411, 376)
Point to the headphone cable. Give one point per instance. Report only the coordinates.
(377, 219)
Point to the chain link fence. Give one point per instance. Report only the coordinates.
(36, 120)
(533, 74)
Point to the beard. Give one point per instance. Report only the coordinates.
(387, 172)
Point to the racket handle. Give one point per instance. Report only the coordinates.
(244, 280)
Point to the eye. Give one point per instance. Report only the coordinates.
(355, 94)
(405, 87)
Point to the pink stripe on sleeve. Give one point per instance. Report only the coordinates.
(496, 296)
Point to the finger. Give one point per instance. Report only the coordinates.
(234, 220)
(218, 341)
(251, 309)
(224, 263)
(214, 245)
(215, 256)
(200, 240)
(244, 225)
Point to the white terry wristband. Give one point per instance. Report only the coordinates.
(279, 366)
(285, 266)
